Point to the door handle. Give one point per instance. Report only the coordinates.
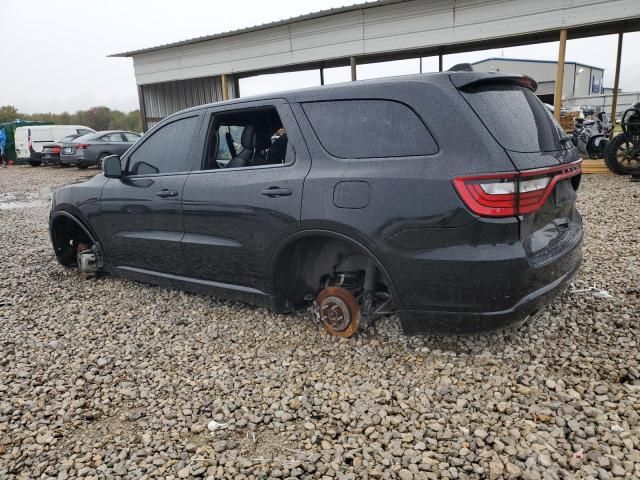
(166, 193)
(273, 192)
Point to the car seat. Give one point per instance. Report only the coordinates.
(251, 154)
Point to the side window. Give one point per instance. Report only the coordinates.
(131, 137)
(114, 137)
(247, 138)
(369, 129)
(165, 151)
(41, 135)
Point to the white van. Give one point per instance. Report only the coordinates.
(30, 140)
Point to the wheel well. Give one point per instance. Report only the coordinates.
(301, 265)
(66, 234)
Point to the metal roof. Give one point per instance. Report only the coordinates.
(378, 31)
(264, 26)
(492, 59)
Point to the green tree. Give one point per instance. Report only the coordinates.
(8, 113)
(64, 118)
(98, 118)
(134, 121)
(117, 120)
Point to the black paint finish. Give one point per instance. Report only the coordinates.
(218, 231)
(350, 194)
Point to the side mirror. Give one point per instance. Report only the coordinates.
(111, 166)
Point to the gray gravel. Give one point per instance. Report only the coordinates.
(112, 379)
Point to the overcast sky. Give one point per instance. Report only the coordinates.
(54, 55)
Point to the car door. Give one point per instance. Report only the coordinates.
(141, 222)
(235, 218)
(112, 143)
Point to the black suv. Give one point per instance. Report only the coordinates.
(448, 198)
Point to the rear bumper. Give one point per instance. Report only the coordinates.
(48, 159)
(72, 159)
(424, 321)
(497, 287)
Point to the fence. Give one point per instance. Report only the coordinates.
(604, 101)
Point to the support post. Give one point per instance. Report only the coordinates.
(143, 110)
(353, 69)
(440, 62)
(321, 75)
(557, 98)
(616, 82)
(225, 90)
(420, 64)
(236, 86)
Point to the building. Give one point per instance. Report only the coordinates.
(207, 69)
(580, 80)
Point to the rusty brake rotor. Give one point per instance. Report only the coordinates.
(339, 311)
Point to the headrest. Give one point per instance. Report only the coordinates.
(248, 138)
(252, 138)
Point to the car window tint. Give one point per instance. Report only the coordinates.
(369, 128)
(114, 137)
(131, 137)
(84, 131)
(84, 138)
(166, 150)
(502, 107)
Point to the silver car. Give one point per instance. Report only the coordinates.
(92, 148)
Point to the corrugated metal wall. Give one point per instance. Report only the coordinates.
(163, 99)
(378, 29)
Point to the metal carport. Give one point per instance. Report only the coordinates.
(207, 69)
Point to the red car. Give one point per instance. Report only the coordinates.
(51, 152)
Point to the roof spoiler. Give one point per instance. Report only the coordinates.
(461, 67)
(477, 79)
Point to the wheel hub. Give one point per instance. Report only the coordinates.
(88, 261)
(339, 311)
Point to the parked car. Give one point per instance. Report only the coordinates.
(51, 151)
(448, 198)
(31, 139)
(91, 149)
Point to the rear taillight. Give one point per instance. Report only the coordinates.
(513, 193)
(81, 146)
(55, 150)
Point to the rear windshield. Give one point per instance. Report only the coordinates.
(516, 118)
(85, 137)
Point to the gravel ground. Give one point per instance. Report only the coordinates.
(112, 379)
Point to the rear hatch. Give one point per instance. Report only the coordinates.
(547, 166)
